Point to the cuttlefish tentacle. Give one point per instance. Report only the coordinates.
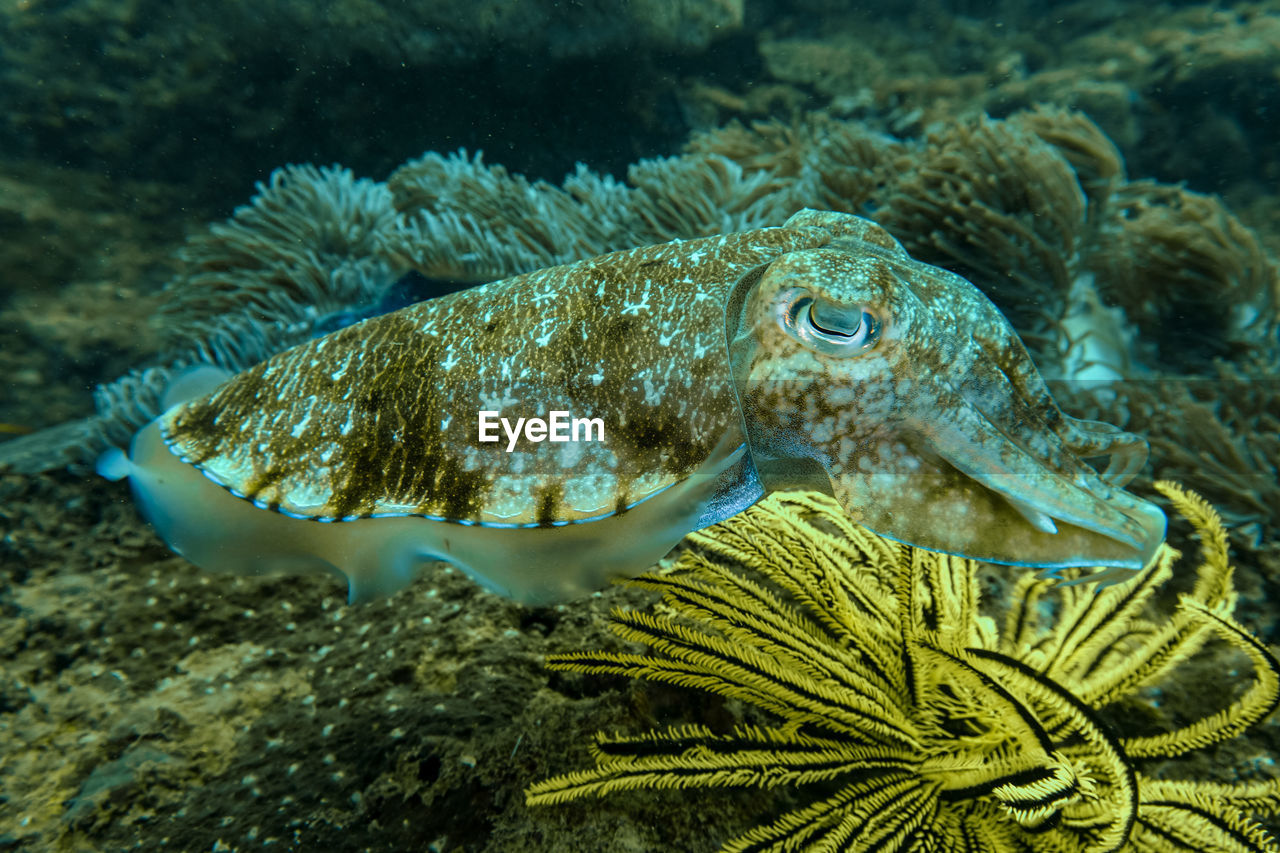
(1126, 452)
(1056, 486)
(1083, 438)
(815, 355)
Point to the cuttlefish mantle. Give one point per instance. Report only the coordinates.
(813, 355)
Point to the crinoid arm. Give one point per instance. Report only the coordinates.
(908, 719)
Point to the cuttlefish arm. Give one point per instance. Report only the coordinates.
(902, 390)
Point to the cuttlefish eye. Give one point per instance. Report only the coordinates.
(832, 329)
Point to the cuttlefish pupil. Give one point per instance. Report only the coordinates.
(840, 331)
(814, 355)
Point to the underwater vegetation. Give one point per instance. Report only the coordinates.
(909, 720)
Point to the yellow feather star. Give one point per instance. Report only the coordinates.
(925, 727)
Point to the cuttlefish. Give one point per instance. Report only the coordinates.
(636, 397)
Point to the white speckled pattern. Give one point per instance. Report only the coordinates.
(936, 429)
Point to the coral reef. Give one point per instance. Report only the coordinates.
(144, 699)
(916, 724)
(306, 245)
(464, 220)
(1184, 89)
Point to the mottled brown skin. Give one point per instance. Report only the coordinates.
(925, 416)
(940, 433)
(635, 338)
